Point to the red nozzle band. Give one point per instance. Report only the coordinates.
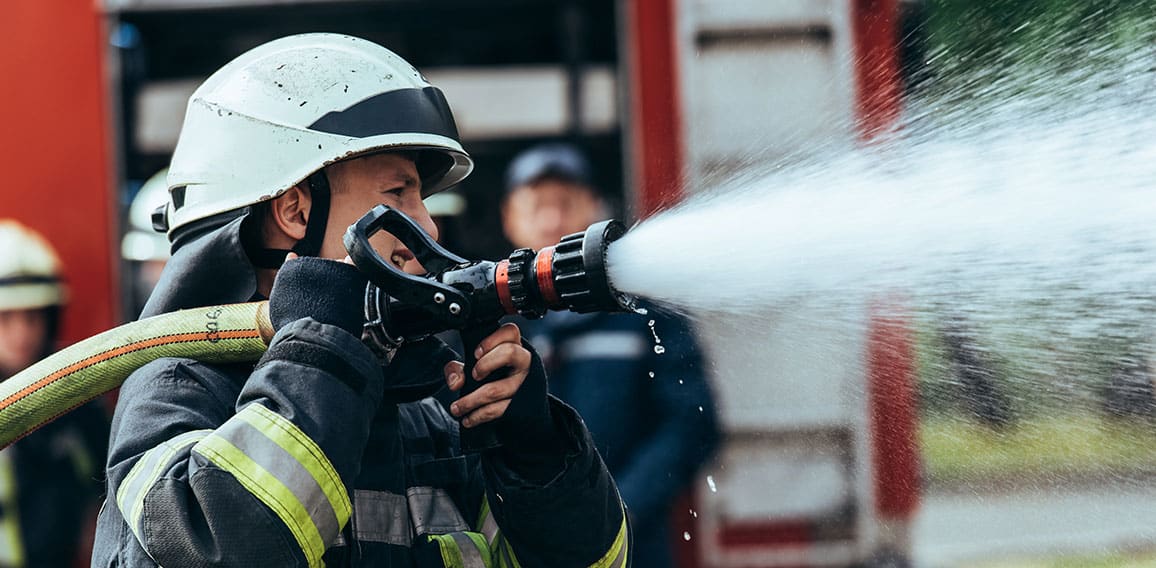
(502, 283)
(544, 268)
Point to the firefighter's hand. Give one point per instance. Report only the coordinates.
(320, 289)
(518, 400)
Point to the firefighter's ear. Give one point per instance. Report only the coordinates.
(289, 212)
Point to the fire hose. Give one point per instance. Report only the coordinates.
(454, 294)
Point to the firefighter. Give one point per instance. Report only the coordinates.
(326, 452)
(145, 250)
(49, 480)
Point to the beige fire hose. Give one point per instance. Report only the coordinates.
(83, 371)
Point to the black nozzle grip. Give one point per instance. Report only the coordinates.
(483, 436)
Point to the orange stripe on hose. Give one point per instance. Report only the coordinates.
(124, 350)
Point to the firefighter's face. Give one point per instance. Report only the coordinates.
(22, 337)
(360, 184)
(540, 214)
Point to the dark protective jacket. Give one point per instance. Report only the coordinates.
(307, 459)
(50, 484)
(651, 415)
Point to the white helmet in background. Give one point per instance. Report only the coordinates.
(277, 114)
(142, 243)
(445, 204)
(30, 275)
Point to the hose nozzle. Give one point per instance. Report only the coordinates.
(457, 293)
(570, 275)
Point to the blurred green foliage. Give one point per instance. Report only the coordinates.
(1055, 32)
(1002, 50)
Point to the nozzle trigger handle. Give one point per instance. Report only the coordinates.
(483, 436)
(410, 289)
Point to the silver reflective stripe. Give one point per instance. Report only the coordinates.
(606, 345)
(11, 541)
(381, 516)
(385, 517)
(433, 511)
(471, 556)
(486, 522)
(130, 496)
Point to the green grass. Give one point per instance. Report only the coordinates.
(955, 450)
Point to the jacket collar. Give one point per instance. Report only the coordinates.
(211, 269)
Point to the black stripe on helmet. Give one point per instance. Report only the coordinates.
(402, 111)
(28, 279)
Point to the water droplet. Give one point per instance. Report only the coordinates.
(651, 374)
(680, 381)
(685, 535)
(658, 349)
(710, 483)
(694, 513)
(700, 409)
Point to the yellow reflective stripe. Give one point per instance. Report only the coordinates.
(506, 556)
(266, 487)
(130, 496)
(481, 546)
(11, 541)
(503, 553)
(451, 556)
(462, 549)
(616, 556)
(291, 439)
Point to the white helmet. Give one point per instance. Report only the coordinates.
(275, 115)
(29, 269)
(142, 242)
(445, 204)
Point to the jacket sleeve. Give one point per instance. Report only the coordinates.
(685, 434)
(202, 475)
(575, 520)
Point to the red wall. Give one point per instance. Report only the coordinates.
(54, 150)
(656, 129)
(878, 88)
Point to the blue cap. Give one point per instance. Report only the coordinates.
(560, 161)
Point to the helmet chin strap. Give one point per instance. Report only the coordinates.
(310, 244)
(319, 192)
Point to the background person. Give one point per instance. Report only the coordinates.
(50, 480)
(143, 247)
(652, 416)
